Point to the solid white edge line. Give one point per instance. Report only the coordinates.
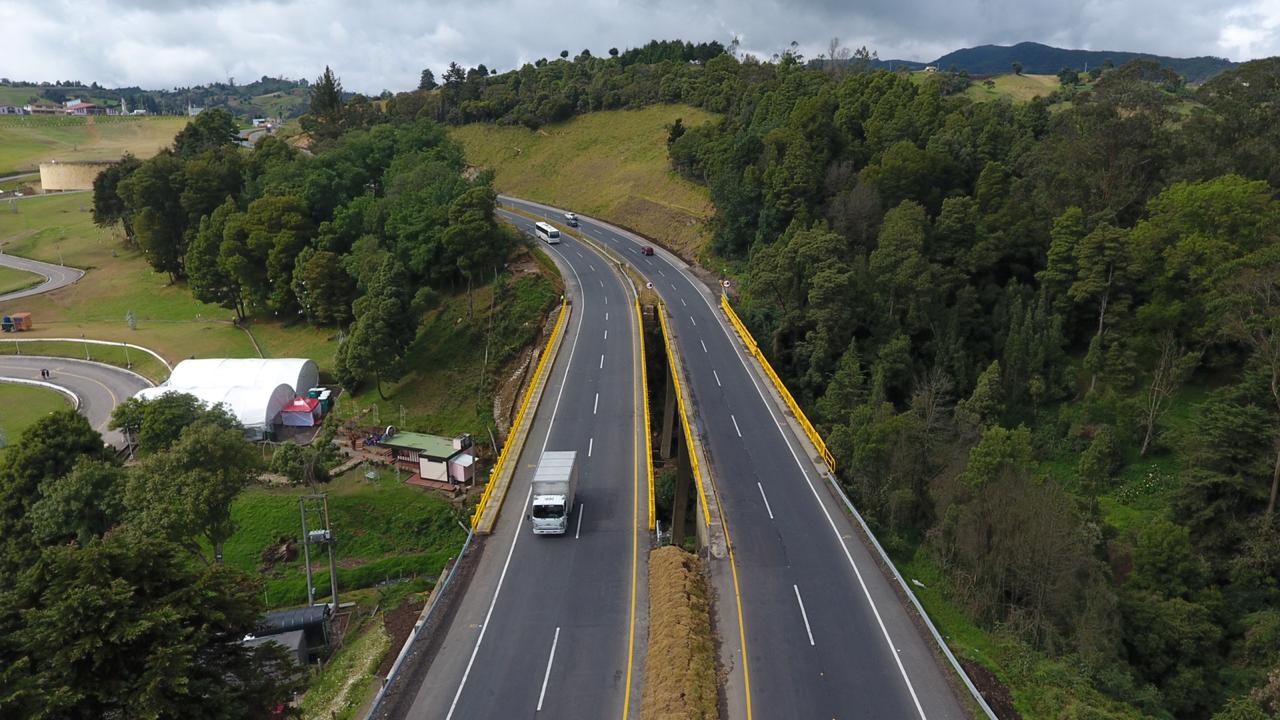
(516, 534)
(803, 615)
(766, 500)
(550, 659)
(578, 533)
(735, 425)
(476, 650)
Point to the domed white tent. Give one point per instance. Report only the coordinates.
(300, 374)
(255, 407)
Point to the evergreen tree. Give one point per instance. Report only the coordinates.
(428, 80)
(384, 328)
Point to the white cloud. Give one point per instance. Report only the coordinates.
(377, 44)
(1252, 30)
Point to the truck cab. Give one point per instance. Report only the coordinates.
(549, 514)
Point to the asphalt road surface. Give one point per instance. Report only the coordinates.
(826, 636)
(55, 276)
(100, 387)
(554, 626)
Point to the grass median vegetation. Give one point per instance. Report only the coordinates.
(680, 668)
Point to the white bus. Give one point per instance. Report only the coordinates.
(547, 233)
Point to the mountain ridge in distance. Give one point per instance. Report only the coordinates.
(1040, 59)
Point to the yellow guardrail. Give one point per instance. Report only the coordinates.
(750, 342)
(648, 440)
(684, 415)
(543, 364)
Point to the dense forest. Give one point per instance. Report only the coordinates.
(1043, 341)
(363, 235)
(111, 601)
(992, 312)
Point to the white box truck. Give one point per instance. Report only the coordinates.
(554, 484)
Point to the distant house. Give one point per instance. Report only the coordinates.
(931, 68)
(194, 110)
(435, 458)
(84, 108)
(43, 109)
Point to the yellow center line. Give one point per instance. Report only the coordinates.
(635, 537)
(742, 630)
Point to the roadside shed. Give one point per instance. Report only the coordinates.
(436, 458)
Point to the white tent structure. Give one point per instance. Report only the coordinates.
(257, 407)
(298, 373)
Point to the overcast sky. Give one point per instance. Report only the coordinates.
(376, 44)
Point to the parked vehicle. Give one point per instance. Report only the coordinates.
(554, 484)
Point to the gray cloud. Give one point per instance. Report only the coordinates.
(381, 44)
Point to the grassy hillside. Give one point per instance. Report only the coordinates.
(386, 529)
(25, 141)
(23, 405)
(1018, 88)
(612, 165)
(12, 280)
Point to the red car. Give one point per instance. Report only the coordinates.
(646, 250)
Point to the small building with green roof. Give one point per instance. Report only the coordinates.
(435, 458)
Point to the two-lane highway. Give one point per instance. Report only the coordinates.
(554, 625)
(826, 635)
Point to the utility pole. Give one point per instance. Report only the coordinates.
(317, 532)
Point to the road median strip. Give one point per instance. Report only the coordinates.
(680, 665)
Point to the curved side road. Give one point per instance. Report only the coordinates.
(55, 276)
(100, 387)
